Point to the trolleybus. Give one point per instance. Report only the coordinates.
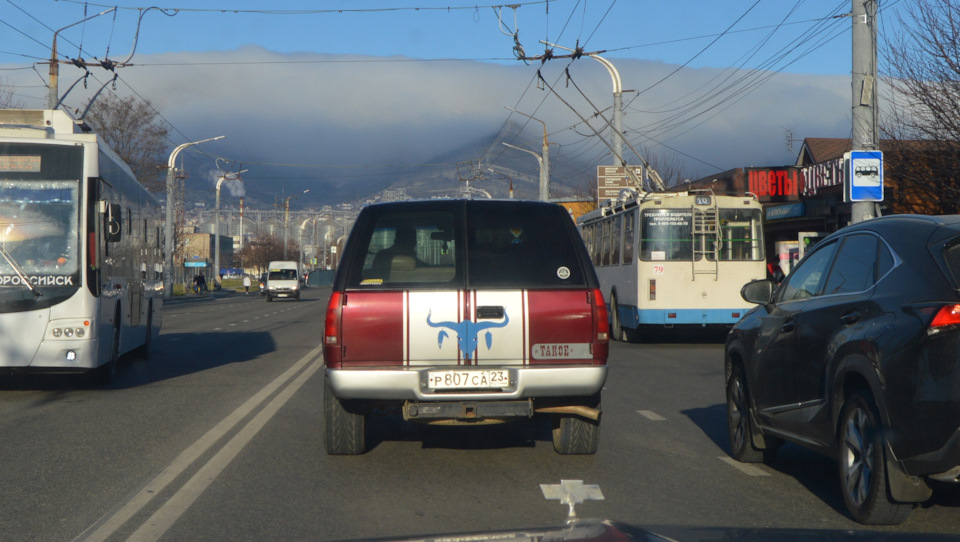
(80, 256)
(671, 259)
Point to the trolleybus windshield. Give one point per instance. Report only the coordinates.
(39, 225)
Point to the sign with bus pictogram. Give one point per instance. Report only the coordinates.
(865, 172)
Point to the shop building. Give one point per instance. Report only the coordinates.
(805, 201)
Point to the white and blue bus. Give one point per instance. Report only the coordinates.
(80, 249)
(672, 259)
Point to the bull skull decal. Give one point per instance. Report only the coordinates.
(467, 333)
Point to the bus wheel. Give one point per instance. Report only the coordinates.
(145, 349)
(105, 374)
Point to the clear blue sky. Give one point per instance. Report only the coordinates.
(698, 33)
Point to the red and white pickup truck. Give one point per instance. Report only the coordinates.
(465, 312)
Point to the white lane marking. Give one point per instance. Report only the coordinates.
(164, 518)
(745, 468)
(651, 415)
(109, 524)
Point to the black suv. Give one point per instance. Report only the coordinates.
(857, 356)
(465, 312)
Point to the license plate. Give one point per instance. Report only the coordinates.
(462, 380)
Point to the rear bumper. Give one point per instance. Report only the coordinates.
(410, 384)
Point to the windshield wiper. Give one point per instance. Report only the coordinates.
(19, 271)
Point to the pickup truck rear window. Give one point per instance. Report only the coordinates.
(529, 247)
(405, 248)
(472, 244)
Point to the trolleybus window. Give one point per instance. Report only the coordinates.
(666, 234)
(740, 236)
(628, 237)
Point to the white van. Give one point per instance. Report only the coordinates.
(283, 280)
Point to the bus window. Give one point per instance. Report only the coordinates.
(666, 234)
(628, 220)
(615, 241)
(605, 243)
(740, 236)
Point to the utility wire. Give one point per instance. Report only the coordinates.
(473, 7)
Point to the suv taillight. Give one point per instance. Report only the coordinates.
(948, 315)
(332, 350)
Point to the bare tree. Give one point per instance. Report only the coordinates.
(669, 166)
(921, 123)
(133, 129)
(263, 249)
(8, 99)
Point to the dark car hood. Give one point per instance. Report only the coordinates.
(595, 530)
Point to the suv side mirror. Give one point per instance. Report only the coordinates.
(758, 291)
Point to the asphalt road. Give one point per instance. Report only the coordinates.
(218, 437)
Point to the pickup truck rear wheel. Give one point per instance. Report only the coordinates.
(575, 435)
(343, 430)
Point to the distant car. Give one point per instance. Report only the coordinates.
(465, 312)
(857, 356)
(263, 284)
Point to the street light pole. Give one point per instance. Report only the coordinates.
(216, 228)
(617, 103)
(539, 159)
(286, 218)
(544, 161)
(52, 93)
(168, 240)
(302, 224)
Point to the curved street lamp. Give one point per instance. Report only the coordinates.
(302, 225)
(543, 158)
(168, 240)
(286, 218)
(216, 226)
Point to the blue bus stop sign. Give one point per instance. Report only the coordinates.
(866, 175)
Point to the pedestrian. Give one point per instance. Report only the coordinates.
(202, 283)
(246, 284)
(196, 284)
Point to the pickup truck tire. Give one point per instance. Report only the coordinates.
(575, 435)
(343, 430)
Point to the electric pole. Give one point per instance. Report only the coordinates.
(864, 113)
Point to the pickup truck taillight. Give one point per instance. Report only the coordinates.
(601, 325)
(332, 349)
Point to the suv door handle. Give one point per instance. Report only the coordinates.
(850, 318)
(490, 313)
(788, 326)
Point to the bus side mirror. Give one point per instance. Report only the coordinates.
(112, 216)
